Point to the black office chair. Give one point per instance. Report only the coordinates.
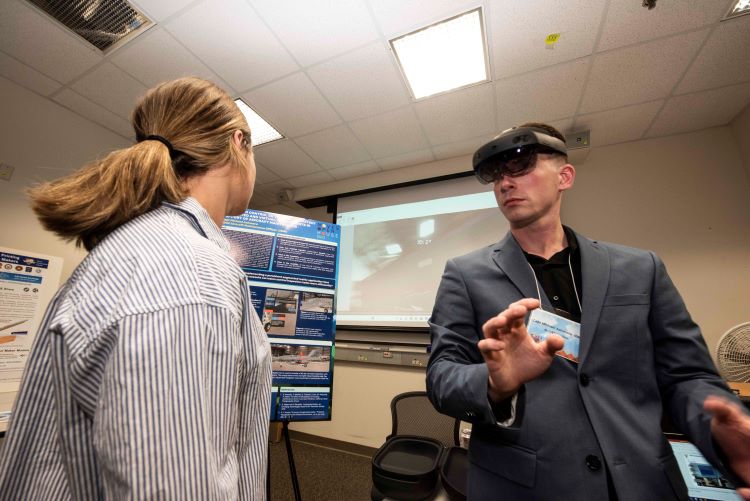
(408, 464)
(412, 413)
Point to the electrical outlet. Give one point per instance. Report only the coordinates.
(6, 171)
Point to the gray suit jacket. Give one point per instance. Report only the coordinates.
(639, 349)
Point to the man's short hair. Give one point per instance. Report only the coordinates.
(551, 131)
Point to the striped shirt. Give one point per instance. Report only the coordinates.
(150, 376)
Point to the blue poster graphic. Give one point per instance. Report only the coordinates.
(291, 265)
(17, 259)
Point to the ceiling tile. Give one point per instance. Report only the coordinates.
(334, 147)
(700, 110)
(406, 159)
(530, 97)
(234, 42)
(263, 175)
(390, 133)
(640, 73)
(285, 159)
(293, 105)
(38, 41)
(26, 76)
(620, 125)
(724, 60)
(518, 32)
(630, 22)
(155, 57)
(261, 200)
(159, 10)
(459, 148)
(355, 170)
(311, 179)
(458, 115)
(398, 17)
(112, 88)
(362, 83)
(272, 189)
(307, 33)
(95, 113)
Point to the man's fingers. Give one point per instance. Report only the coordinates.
(721, 409)
(512, 317)
(528, 303)
(554, 343)
(744, 492)
(489, 345)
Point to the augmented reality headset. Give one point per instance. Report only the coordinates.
(513, 153)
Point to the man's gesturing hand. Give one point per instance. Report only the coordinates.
(731, 431)
(511, 355)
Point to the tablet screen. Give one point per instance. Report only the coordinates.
(704, 482)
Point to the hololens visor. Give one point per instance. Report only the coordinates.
(513, 153)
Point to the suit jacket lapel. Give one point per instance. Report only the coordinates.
(595, 278)
(508, 255)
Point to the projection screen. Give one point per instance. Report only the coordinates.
(394, 245)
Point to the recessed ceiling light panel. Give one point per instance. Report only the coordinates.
(261, 131)
(444, 56)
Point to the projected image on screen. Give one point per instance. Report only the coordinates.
(392, 257)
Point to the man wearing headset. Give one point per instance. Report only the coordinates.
(570, 407)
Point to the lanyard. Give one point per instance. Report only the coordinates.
(572, 278)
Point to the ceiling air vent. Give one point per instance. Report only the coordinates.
(102, 23)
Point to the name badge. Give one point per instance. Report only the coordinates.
(541, 324)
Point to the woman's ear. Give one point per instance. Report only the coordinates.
(237, 138)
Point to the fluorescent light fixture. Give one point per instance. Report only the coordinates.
(444, 56)
(426, 228)
(260, 130)
(393, 249)
(739, 8)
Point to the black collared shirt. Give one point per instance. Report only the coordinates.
(555, 279)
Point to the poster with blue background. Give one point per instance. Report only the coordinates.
(291, 265)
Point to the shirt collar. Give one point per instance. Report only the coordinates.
(201, 221)
(570, 236)
(559, 257)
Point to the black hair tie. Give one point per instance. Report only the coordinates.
(163, 141)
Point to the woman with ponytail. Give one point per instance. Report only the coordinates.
(150, 375)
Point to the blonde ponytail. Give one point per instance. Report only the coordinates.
(193, 115)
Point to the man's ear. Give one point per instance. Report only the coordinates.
(567, 177)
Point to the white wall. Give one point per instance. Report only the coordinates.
(685, 197)
(43, 141)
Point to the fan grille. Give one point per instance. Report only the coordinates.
(102, 23)
(733, 354)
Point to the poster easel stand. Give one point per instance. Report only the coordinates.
(290, 455)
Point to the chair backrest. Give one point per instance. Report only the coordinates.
(412, 413)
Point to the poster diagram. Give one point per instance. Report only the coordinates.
(28, 281)
(291, 265)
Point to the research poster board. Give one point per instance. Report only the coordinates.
(28, 281)
(291, 265)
